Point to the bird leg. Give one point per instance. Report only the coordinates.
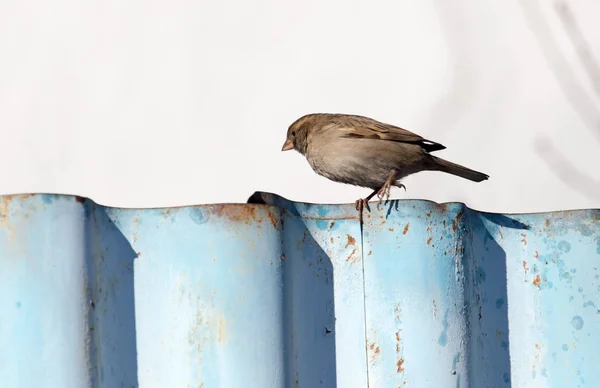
(364, 203)
(385, 190)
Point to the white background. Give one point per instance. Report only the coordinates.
(161, 103)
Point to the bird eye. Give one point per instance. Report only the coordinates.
(293, 133)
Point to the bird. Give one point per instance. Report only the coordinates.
(364, 152)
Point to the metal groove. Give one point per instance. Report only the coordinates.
(276, 293)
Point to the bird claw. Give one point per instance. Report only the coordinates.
(361, 204)
(385, 191)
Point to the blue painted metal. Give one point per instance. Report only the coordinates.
(296, 295)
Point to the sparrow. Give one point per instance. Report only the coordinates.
(364, 152)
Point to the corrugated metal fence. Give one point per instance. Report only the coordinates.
(296, 295)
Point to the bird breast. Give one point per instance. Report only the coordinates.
(359, 161)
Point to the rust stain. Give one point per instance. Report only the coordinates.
(537, 280)
(79, 199)
(456, 220)
(273, 220)
(369, 254)
(537, 255)
(525, 266)
(235, 212)
(351, 256)
(400, 366)
(406, 228)
(547, 222)
(524, 240)
(429, 240)
(222, 333)
(331, 240)
(282, 256)
(391, 229)
(429, 214)
(351, 241)
(397, 337)
(5, 201)
(331, 224)
(375, 350)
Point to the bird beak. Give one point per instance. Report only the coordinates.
(288, 145)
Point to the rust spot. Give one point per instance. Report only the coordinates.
(235, 212)
(331, 224)
(352, 256)
(406, 228)
(369, 254)
(429, 214)
(273, 220)
(138, 254)
(351, 241)
(547, 222)
(525, 266)
(429, 240)
(282, 256)
(391, 229)
(524, 240)
(331, 240)
(79, 199)
(398, 336)
(537, 255)
(222, 334)
(456, 220)
(537, 280)
(375, 350)
(400, 365)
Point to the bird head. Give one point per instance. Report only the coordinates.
(297, 134)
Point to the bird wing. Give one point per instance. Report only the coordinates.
(366, 128)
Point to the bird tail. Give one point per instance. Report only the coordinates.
(439, 164)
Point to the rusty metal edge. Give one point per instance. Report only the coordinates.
(271, 200)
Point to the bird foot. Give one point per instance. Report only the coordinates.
(385, 191)
(361, 204)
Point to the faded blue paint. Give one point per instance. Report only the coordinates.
(293, 294)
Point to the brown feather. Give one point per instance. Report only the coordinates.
(361, 127)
